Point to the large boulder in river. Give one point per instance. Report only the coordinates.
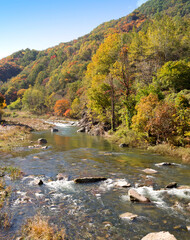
(136, 197)
(159, 236)
(42, 141)
(89, 179)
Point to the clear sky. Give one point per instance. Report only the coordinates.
(39, 24)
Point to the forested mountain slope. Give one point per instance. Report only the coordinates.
(133, 72)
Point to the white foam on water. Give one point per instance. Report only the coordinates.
(63, 124)
(60, 185)
(39, 195)
(180, 193)
(21, 193)
(110, 183)
(157, 196)
(106, 185)
(125, 198)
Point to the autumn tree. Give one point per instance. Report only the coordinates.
(145, 112)
(162, 124)
(2, 104)
(61, 107)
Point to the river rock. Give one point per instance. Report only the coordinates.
(82, 129)
(128, 215)
(42, 141)
(136, 197)
(89, 179)
(123, 145)
(149, 171)
(123, 184)
(54, 130)
(165, 164)
(38, 182)
(159, 236)
(171, 185)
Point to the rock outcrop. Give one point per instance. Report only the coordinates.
(88, 125)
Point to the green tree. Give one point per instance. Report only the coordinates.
(174, 76)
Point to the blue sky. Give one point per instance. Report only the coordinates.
(39, 24)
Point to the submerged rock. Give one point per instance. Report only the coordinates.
(89, 179)
(159, 236)
(128, 215)
(171, 185)
(42, 141)
(149, 171)
(136, 197)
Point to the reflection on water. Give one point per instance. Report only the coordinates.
(91, 211)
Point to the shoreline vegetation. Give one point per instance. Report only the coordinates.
(15, 129)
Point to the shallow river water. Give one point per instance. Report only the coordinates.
(91, 211)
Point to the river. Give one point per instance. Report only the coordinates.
(92, 211)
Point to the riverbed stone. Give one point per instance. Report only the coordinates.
(171, 185)
(159, 236)
(136, 197)
(42, 141)
(149, 171)
(128, 215)
(89, 179)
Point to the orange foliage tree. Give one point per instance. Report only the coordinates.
(61, 106)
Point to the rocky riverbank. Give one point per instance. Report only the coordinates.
(14, 132)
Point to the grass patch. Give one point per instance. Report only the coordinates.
(166, 149)
(13, 172)
(39, 227)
